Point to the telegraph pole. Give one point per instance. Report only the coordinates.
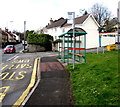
(24, 33)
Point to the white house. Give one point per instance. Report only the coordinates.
(86, 22)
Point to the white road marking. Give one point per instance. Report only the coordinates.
(16, 57)
(12, 57)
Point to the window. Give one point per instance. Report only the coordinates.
(55, 37)
(55, 29)
(63, 30)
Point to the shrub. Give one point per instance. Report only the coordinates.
(44, 40)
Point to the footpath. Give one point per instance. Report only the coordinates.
(54, 86)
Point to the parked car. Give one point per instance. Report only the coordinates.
(9, 49)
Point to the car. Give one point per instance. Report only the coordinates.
(9, 49)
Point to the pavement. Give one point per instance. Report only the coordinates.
(54, 85)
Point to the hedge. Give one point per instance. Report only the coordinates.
(44, 40)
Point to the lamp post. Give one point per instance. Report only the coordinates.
(73, 26)
(118, 22)
(24, 33)
(8, 26)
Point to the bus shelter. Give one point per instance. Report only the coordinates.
(73, 49)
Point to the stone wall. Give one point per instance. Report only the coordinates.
(35, 48)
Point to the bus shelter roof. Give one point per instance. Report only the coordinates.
(77, 32)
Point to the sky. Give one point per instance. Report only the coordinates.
(37, 13)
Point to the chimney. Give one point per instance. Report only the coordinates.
(51, 21)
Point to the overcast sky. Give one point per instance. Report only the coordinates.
(37, 13)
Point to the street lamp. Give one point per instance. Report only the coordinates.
(118, 30)
(9, 25)
(71, 16)
(24, 33)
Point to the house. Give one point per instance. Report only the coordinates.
(7, 37)
(4, 36)
(86, 22)
(11, 37)
(55, 28)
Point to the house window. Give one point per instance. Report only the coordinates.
(55, 37)
(105, 35)
(55, 29)
(63, 30)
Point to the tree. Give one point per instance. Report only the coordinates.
(101, 13)
(83, 11)
(111, 25)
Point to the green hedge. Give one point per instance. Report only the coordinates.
(44, 40)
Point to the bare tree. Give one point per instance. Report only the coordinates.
(101, 13)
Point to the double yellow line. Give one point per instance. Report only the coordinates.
(32, 82)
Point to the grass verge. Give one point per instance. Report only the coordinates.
(97, 81)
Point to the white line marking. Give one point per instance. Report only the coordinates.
(31, 92)
(12, 57)
(21, 51)
(16, 57)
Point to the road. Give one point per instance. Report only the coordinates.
(17, 75)
(6, 57)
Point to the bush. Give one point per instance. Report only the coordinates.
(44, 40)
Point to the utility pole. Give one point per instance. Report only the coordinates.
(24, 33)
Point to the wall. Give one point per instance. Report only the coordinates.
(92, 37)
(55, 32)
(35, 48)
(107, 41)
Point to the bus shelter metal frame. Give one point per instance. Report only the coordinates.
(66, 51)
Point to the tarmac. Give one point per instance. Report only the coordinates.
(54, 86)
